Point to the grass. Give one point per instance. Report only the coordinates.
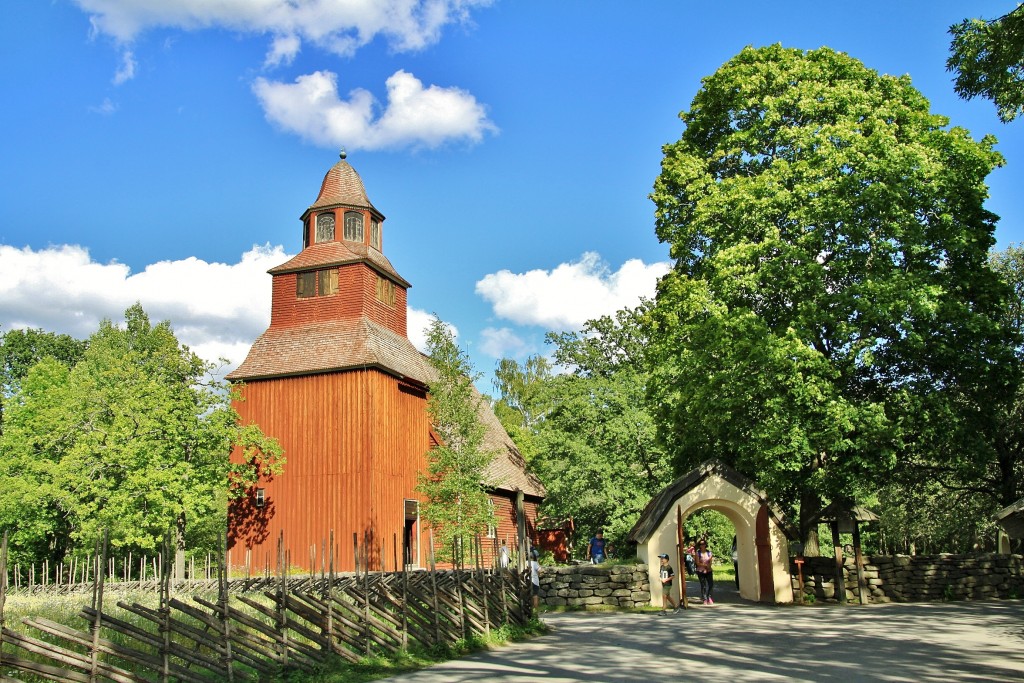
(381, 666)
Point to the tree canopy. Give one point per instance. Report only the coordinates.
(830, 275)
(988, 58)
(457, 506)
(133, 438)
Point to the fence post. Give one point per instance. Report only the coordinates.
(225, 608)
(97, 606)
(366, 595)
(3, 594)
(330, 596)
(433, 585)
(483, 584)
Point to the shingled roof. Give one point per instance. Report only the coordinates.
(508, 470)
(330, 346)
(327, 254)
(342, 186)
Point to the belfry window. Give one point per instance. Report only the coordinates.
(325, 227)
(316, 283)
(374, 233)
(353, 226)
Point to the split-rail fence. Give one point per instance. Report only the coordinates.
(256, 628)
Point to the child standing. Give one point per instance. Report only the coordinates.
(666, 573)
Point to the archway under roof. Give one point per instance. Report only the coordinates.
(762, 532)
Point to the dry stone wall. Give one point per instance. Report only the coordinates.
(589, 586)
(906, 578)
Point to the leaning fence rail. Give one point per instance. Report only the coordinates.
(254, 627)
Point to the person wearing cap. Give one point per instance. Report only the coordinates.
(704, 572)
(666, 573)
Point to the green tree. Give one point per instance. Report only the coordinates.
(133, 439)
(519, 405)
(457, 506)
(988, 58)
(598, 454)
(21, 349)
(830, 274)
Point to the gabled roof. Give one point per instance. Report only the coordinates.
(661, 504)
(508, 470)
(331, 346)
(339, 253)
(1011, 518)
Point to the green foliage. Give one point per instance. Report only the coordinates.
(830, 281)
(717, 529)
(519, 403)
(924, 517)
(592, 438)
(457, 506)
(21, 349)
(988, 58)
(133, 438)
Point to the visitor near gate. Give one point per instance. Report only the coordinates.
(665, 573)
(535, 579)
(704, 572)
(595, 551)
(735, 563)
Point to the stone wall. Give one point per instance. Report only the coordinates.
(588, 585)
(906, 578)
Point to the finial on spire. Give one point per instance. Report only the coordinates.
(343, 153)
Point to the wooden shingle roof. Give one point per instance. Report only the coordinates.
(342, 186)
(331, 346)
(339, 253)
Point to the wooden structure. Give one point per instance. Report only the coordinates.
(762, 532)
(843, 517)
(336, 380)
(228, 635)
(1011, 524)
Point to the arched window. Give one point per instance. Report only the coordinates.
(374, 233)
(325, 227)
(353, 226)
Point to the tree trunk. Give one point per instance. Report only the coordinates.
(810, 508)
(179, 548)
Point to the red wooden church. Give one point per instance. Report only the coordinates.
(337, 382)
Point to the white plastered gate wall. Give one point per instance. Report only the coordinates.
(741, 508)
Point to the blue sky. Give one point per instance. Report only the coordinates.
(163, 150)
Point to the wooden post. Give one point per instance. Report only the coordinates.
(225, 608)
(840, 582)
(862, 587)
(680, 561)
(282, 608)
(483, 584)
(366, 595)
(355, 550)
(433, 585)
(330, 596)
(97, 606)
(405, 601)
(165, 611)
(3, 594)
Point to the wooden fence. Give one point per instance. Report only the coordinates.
(299, 623)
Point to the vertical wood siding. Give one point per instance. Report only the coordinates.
(354, 442)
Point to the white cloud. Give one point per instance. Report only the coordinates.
(106, 107)
(502, 343)
(61, 289)
(416, 325)
(126, 71)
(283, 50)
(413, 116)
(338, 26)
(571, 294)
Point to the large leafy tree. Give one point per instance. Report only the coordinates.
(830, 275)
(21, 349)
(134, 439)
(457, 506)
(596, 448)
(988, 58)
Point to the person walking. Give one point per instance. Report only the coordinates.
(595, 550)
(503, 556)
(735, 563)
(535, 579)
(704, 572)
(666, 573)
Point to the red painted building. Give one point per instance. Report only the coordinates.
(336, 381)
